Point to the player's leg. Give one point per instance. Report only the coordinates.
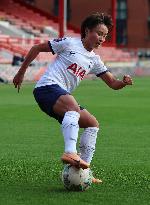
(59, 104)
(88, 137)
(67, 107)
(87, 119)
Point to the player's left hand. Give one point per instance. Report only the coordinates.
(127, 80)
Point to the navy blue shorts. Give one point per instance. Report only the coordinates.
(46, 97)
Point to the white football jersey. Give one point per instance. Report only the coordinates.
(71, 65)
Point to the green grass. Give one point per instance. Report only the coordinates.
(31, 145)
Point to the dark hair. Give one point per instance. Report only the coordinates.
(93, 20)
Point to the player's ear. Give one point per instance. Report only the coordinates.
(86, 31)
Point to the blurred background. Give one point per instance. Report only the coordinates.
(24, 23)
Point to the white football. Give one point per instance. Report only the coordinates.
(75, 179)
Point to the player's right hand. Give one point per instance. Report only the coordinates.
(127, 80)
(17, 81)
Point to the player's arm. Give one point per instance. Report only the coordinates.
(114, 83)
(32, 54)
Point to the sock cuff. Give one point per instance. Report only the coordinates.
(73, 114)
(92, 129)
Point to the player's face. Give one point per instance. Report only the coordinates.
(97, 36)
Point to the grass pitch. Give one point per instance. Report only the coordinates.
(31, 145)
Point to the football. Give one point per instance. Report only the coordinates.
(75, 179)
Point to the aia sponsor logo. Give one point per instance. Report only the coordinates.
(78, 71)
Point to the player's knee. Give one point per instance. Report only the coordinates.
(95, 123)
(73, 108)
(70, 104)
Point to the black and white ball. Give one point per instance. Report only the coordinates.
(75, 179)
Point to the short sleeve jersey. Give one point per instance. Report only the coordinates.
(72, 63)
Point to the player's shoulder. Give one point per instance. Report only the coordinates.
(61, 40)
(68, 39)
(72, 40)
(97, 57)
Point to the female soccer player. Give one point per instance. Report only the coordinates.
(75, 59)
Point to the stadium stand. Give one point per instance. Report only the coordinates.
(22, 27)
(111, 54)
(34, 23)
(29, 20)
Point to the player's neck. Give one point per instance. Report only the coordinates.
(86, 45)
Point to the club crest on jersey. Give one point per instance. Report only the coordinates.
(78, 71)
(59, 39)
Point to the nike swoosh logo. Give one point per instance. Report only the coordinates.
(71, 52)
